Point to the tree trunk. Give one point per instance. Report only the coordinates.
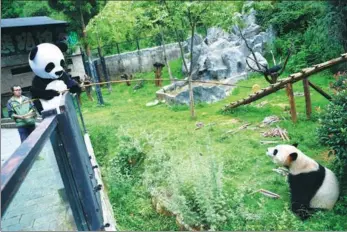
(191, 95)
(84, 33)
(178, 38)
(165, 56)
(181, 50)
(92, 69)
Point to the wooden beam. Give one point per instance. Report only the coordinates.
(291, 101)
(291, 79)
(307, 97)
(319, 90)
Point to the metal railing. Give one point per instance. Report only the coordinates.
(64, 133)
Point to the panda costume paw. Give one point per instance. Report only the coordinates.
(47, 62)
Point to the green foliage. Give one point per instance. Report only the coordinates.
(101, 140)
(341, 81)
(15, 9)
(333, 129)
(129, 157)
(316, 29)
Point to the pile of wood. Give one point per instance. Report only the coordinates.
(277, 132)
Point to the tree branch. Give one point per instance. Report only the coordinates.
(249, 48)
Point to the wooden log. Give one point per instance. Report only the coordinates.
(291, 79)
(291, 101)
(307, 98)
(319, 90)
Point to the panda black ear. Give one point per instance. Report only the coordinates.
(33, 53)
(293, 156)
(62, 46)
(295, 144)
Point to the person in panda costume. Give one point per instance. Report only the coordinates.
(312, 186)
(51, 81)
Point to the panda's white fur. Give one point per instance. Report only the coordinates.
(327, 194)
(47, 53)
(54, 102)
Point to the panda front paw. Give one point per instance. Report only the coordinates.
(75, 89)
(50, 93)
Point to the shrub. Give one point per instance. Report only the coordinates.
(191, 188)
(333, 130)
(130, 155)
(101, 139)
(341, 81)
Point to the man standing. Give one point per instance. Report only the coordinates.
(22, 111)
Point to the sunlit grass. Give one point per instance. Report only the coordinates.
(245, 162)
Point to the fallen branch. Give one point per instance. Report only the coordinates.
(238, 129)
(281, 171)
(277, 132)
(268, 142)
(267, 193)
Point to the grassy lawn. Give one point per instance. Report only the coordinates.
(246, 168)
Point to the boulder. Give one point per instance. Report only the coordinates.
(214, 34)
(220, 57)
(260, 59)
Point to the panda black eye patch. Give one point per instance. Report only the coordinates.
(49, 67)
(275, 151)
(62, 63)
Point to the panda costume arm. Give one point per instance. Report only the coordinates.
(38, 89)
(72, 85)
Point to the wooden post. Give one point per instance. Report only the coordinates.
(158, 67)
(291, 101)
(307, 98)
(319, 90)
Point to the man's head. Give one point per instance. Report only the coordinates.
(16, 90)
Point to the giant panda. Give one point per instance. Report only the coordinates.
(311, 185)
(47, 62)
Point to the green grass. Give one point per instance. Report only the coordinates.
(246, 167)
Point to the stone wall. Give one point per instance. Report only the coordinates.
(138, 61)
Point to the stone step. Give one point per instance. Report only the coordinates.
(8, 125)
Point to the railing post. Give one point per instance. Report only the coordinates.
(104, 69)
(96, 79)
(78, 162)
(80, 114)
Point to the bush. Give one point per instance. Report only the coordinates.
(341, 81)
(317, 30)
(100, 139)
(191, 188)
(333, 130)
(130, 155)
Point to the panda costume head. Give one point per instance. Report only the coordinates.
(48, 63)
(312, 186)
(47, 60)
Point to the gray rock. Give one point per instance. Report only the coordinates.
(207, 94)
(221, 57)
(258, 39)
(260, 59)
(197, 40)
(214, 34)
(258, 48)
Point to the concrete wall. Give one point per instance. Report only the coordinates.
(138, 61)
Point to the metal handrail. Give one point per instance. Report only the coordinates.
(17, 166)
(66, 136)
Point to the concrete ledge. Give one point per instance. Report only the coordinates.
(9, 123)
(107, 210)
